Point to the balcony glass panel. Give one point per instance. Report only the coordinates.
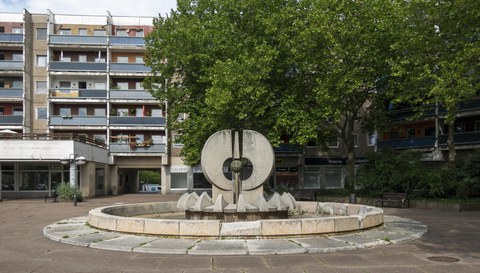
(129, 67)
(131, 94)
(129, 41)
(78, 120)
(11, 120)
(78, 40)
(11, 38)
(79, 93)
(11, 65)
(137, 121)
(11, 93)
(77, 66)
(136, 148)
(421, 142)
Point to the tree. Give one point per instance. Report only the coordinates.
(436, 58)
(308, 69)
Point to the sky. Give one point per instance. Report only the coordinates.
(150, 8)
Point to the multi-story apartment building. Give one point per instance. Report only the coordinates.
(71, 86)
(429, 133)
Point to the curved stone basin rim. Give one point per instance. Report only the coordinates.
(345, 218)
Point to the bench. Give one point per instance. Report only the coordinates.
(393, 199)
(304, 194)
(53, 195)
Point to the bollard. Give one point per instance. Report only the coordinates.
(353, 198)
(75, 200)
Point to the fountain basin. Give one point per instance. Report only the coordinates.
(310, 218)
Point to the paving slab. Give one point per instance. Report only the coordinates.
(219, 247)
(273, 247)
(323, 244)
(122, 242)
(167, 246)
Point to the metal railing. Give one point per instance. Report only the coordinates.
(131, 94)
(126, 41)
(137, 121)
(466, 138)
(78, 93)
(11, 92)
(11, 120)
(137, 148)
(11, 38)
(53, 137)
(129, 67)
(78, 121)
(78, 40)
(78, 66)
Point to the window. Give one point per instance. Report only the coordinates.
(82, 31)
(122, 112)
(139, 86)
(41, 87)
(139, 59)
(41, 113)
(430, 131)
(33, 177)
(41, 61)
(8, 177)
(99, 32)
(333, 142)
(17, 30)
(65, 112)
(41, 34)
(100, 85)
(312, 178)
(176, 141)
(99, 112)
(122, 32)
(477, 125)
(17, 111)
(17, 57)
(411, 132)
(65, 31)
(17, 84)
(122, 85)
(333, 178)
(82, 111)
(311, 143)
(355, 140)
(459, 127)
(82, 58)
(157, 113)
(140, 33)
(2, 29)
(122, 59)
(2, 110)
(66, 59)
(65, 84)
(371, 139)
(99, 138)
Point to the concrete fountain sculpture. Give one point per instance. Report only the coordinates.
(238, 208)
(238, 198)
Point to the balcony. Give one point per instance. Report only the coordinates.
(78, 121)
(467, 138)
(11, 93)
(11, 65)
(137, 121)
(127, 41)
(16, 120)
(129, 68)
(137, 148)
(78, 40)
(79, 93)
(78, 66)
(131, 94)
(13, 38)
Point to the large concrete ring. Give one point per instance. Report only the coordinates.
(256, 148)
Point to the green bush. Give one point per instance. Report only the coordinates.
(468, 176)
(66, 193)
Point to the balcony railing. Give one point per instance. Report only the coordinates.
(78, 40)
(131, 94)
(11, 38)
(78, 66)
(137, 121)
(467, 138)
(137, 148)
(11, 65)
(11, 120)
(126, 41)
(11, 93)
(78, 121)
(79, 93)
(129, 67)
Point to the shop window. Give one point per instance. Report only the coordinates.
(8, 180)
(333, 178)
(34, 177)
(178, 180)
(311, 178)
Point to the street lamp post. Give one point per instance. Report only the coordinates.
(73, 160)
